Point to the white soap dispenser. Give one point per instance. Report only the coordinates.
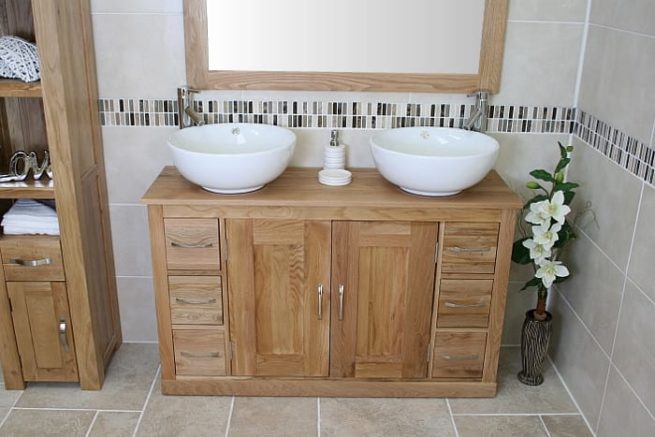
(334, 163)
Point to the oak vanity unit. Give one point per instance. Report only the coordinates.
(301, 289)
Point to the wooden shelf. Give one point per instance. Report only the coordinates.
(18, 88)
(28, 189)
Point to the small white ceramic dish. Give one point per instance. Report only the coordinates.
(334, 177)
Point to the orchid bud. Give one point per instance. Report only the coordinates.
(559, 177)
(532, 185)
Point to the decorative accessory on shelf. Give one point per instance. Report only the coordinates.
(21, 163)
(19, 59)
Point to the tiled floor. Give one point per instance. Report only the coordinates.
(132, 404)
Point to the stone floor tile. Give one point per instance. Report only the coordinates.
(288, 417)
(516, 398)
(179, 416)
(566, 426)
(47, 423)
(384, 417)
(126, 386)
(114, 424)
(499, 426)
(8, 397)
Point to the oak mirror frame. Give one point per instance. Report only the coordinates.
(199, 75)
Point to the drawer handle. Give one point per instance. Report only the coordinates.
(192, 246)
(342, 290)
(320, 301)
(194, 302)
(63, 338)
(460, 357)
(208, 355)
(31, 262)
(457, 249)
(461, 305)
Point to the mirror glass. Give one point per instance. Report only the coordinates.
(358, 36)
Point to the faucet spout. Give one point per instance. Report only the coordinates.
(193, 115)
(187, 116)
(478, 120)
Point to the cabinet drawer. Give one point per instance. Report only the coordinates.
(464, 303)
(196, 300)
(192, 244)
(469, 247)
(459, 354)
(32, 258)
(199, 352)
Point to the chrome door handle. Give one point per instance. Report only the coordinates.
(460, 357)
(460, 305)
(195, 302)
(457, 249)
(63, 338)
(320, 301)
(191, 246)
(342, 290)
(31, 262)
(207, 355)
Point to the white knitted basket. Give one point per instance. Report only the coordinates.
(19, 59)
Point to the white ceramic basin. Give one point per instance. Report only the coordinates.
(433, 161)
(232, 158)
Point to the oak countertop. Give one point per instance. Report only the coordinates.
(299, 187)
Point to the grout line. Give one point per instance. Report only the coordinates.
(13, 406)
(164, 14)
(643, 404)
(623, 271)
(635, 285)
(541, 419)
(629, 32)
(318, 417)
(566, 387)
(546, 22)
(93, 422)
(73, 409)
(625, 170)
(652, 135)
(452, 417)
(229, 417)
(583, 52)
(145, 404)
(515, 414)
(618, 318)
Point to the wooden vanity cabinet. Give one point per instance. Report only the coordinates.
(305, 290)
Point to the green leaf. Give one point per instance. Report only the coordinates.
(568, 197)
(534, 282)
(560, 279)
(535, 199)
(566, 186)
(520, 253)
(561, 165)
(562, 150)
(542, 175)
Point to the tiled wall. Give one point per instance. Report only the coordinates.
(604, 344)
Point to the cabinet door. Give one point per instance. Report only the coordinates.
(382, 295)
(41, 321)
(279, 324)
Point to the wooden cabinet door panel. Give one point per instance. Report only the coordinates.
(381, 321)
(275, 268)
(38, 308)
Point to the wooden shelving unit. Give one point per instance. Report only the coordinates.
(28, 189)
(18, 88)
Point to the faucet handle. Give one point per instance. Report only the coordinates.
(480, 94)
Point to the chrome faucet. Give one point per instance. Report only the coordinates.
(187, 116)
(478, 120)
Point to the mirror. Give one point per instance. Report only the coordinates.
(345, 45)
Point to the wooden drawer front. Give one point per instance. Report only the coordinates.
(470, 247)
(199, 352)
(464, 303)
(196, 300)
(459, 354)
(32, 258)
(192, 244)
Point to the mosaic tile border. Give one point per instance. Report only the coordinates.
(338, 114)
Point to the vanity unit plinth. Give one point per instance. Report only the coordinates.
(301, 289)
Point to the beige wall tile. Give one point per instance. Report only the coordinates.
(274, 416)
(635, 15)
(545, 54)
(612, 194)
(132, 6)
(623, 414)
(139, 55)
(580, 361)
(499, 426)
(566, 426)
(136, 299)
(114, 424)
(384, 417)
(634, 352)
(594, 289)
(131, 241)
(47, 423)
(518, 302)
(134, 156)
(617, 84)
(641, 262)
(551, 10)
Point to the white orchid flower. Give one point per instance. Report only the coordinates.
(538, 252)
(555, 207)
(538, 214)
(546, 236)
(551, 270)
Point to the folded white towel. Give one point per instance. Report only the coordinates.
(30, 217)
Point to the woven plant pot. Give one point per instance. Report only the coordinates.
(535, 337)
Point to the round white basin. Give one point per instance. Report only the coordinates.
(433, 161)
(232, 158)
